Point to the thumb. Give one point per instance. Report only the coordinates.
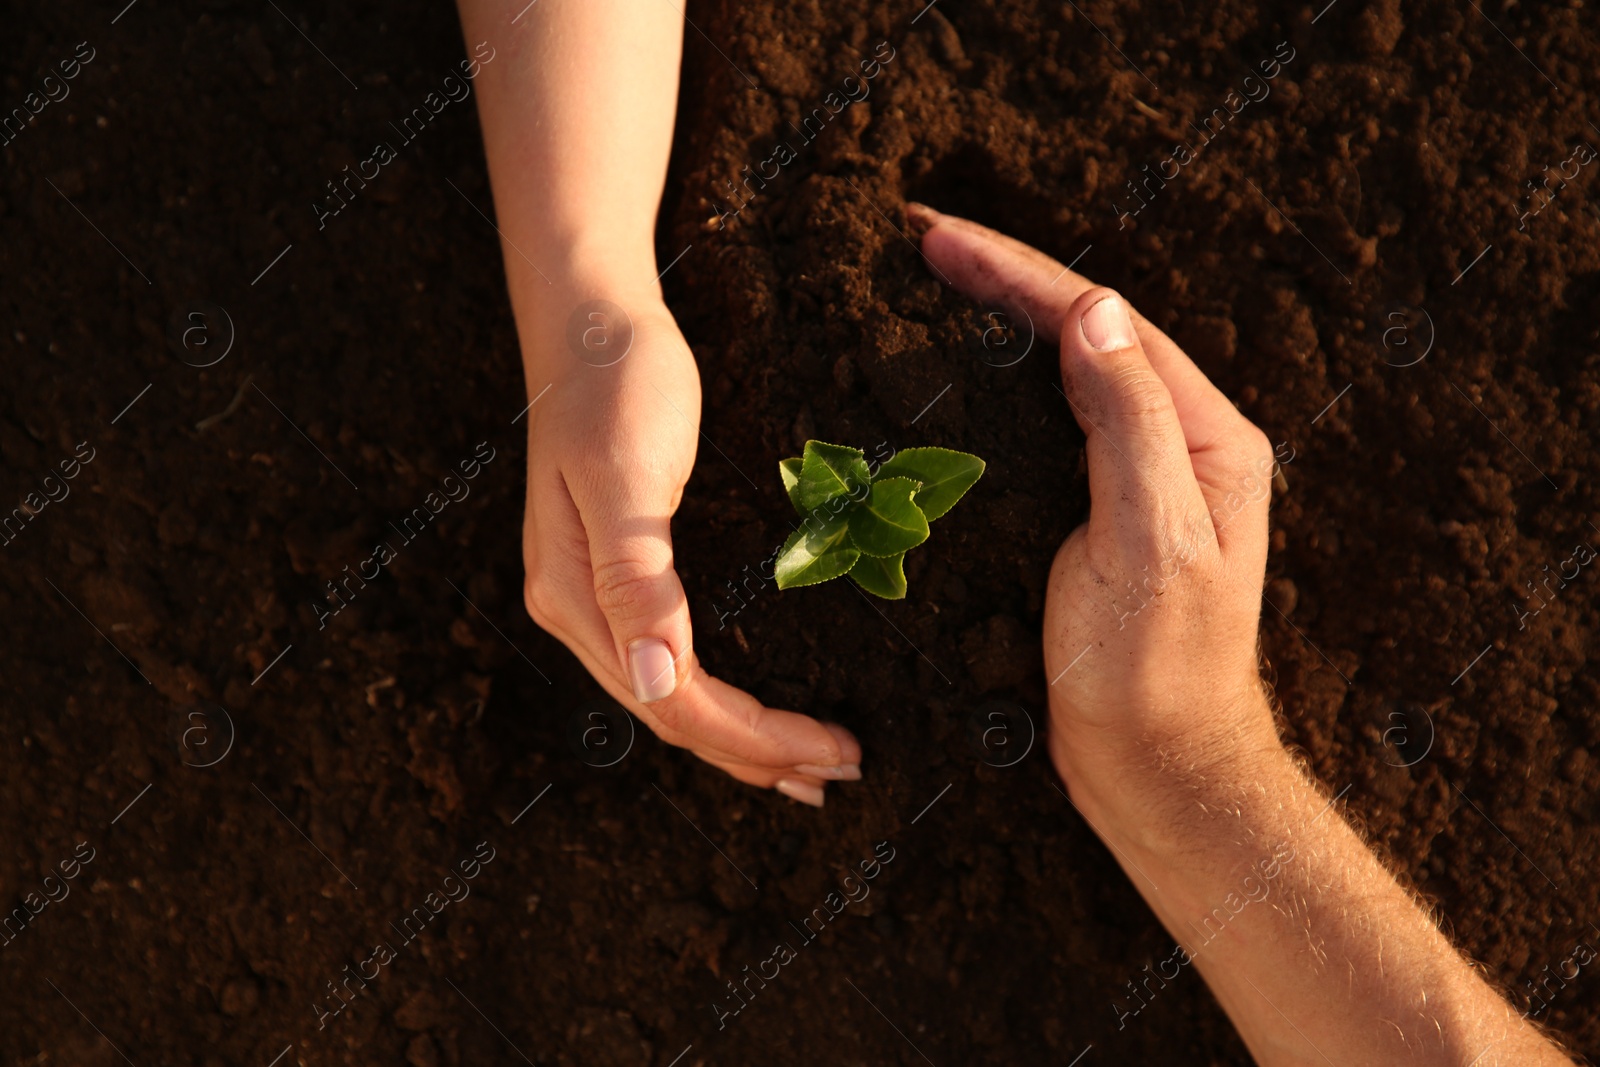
(643, 602)
(1142, 483)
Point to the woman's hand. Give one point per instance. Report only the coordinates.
(577, 144)
(611, 443)
(1153, 604)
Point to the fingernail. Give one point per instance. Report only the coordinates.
(804, 792)
(848, 772)
(921, 213)
(651, 670)
(1106, 325)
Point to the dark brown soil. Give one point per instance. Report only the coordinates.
(146, 610)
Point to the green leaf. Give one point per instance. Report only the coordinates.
(887, 523)
(816, 552)
(883, 576)
(789, 469)
(945, 475)
(828, 471)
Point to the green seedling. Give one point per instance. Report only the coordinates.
(863, 523)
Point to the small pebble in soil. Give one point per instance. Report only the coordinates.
(844, 373)
(421, 1052)
(239, 996)
(1283, 594)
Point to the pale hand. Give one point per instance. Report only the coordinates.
(610, 449)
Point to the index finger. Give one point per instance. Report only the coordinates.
(990, 266)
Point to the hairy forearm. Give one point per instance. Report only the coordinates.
(577, 113)
(1311, 946)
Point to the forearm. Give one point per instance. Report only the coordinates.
(577, 113)
(1308, 942)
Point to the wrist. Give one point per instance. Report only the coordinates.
(572, 272)
(1156, 796)
(583, 309)
(1188, 836)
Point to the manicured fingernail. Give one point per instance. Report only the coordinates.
(849, 772)
(651, 670)
(804, 792)
(1106, 325)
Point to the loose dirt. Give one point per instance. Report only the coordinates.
(1351, 251)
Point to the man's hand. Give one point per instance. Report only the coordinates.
(611, 444)
(1162, 731)
(1153, 604)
